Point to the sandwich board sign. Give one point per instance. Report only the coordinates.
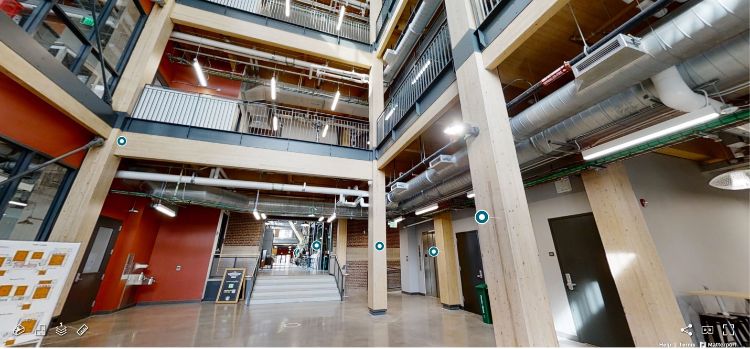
(32, 277)
(231, 285)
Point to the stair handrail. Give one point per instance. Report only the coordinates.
(338, 274)
(253, 279)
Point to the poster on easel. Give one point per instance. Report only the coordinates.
(32, 276)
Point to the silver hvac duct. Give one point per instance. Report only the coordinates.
(248, 52)
(727, 64)
(449, 187)
(685, 35)
(232, 183)
(305, 100)
(441, 168)
(395, 58)
(272, 206)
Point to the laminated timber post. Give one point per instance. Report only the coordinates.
(513, 271)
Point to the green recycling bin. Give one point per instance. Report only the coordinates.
(484, 303)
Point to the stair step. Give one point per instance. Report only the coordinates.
(295, 293)
(289, 287)
(335, 298)
(295, 282)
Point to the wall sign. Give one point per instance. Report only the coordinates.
(231, 285)
(32, 275)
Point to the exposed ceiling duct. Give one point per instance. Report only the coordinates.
(725, 64)
(305, 100)
(239, 184)
(395, 58)
(440, 169)
(269, 205)
(687, 34)
(315, 69)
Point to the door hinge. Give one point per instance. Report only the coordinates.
(93, 303)
(111, 251)
(102, 277)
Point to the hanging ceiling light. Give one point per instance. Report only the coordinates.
(263, 215)
(321, 218)
(421, 71)
(256, 215)
(273, 88)
(287, 7)
(427, 209)
(331, 218)
(164, 209)
(199, 72)
(732, 180)
(674, 125)
(342, 12)
(335, 99)
(470, 194)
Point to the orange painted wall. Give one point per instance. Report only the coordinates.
(182, 77)
(28, 120)
(137, 236)
(186, 240)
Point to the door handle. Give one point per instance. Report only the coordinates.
(569, 282)
(481, 276)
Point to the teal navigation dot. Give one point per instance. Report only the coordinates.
(482, 217)
(379, 245)
(433, 251)
(122, 141)
(316, 245)
(296, 251)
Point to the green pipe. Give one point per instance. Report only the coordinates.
(646, 147)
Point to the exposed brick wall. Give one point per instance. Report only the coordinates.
(356, 233)
(243, 230)
(357, 271)
(357, 260)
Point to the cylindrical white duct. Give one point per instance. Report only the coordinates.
(231, 183)
(248, 52)
(676, 94)
(687, 34)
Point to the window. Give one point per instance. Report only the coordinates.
(67, 29)
(29, 204)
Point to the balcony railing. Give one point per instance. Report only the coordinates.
(304, 16)
(414, 81)
(482, 8)
(254, 118)
(385, 12)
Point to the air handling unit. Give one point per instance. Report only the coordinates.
(610, 57)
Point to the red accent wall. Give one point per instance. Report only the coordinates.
(182, 77)
(28, 120)
(186, 240)
(137, 236)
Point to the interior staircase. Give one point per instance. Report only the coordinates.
(274, 289)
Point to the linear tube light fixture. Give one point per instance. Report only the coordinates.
(470, 194)
(18, 203)
(342, 12)
(263, 215)
(674, 125)
(256, 214)
(321, 218)
(199, 72)
(275, 123)
(427, 209)
(421, 71)
(167, 211)
(273, 88)
(325, 131)
(390, 113)
(335, 100)
(287, 7)
(397, 220)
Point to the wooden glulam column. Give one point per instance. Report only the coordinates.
(84, 202)
(377, 277)
(650, 306)
(513, 272)
(447, 261)
(144, 61)
(341, 241)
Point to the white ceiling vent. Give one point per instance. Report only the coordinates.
(732, 180)
(610, 57)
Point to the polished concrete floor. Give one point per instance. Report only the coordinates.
(410, 321)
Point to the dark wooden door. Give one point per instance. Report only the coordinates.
(597, 311)
(82, 293)
(470, 262)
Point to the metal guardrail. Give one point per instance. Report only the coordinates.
(338, 274)
(254, 118)
(482, 8)
(304, 16)
(415, 81)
